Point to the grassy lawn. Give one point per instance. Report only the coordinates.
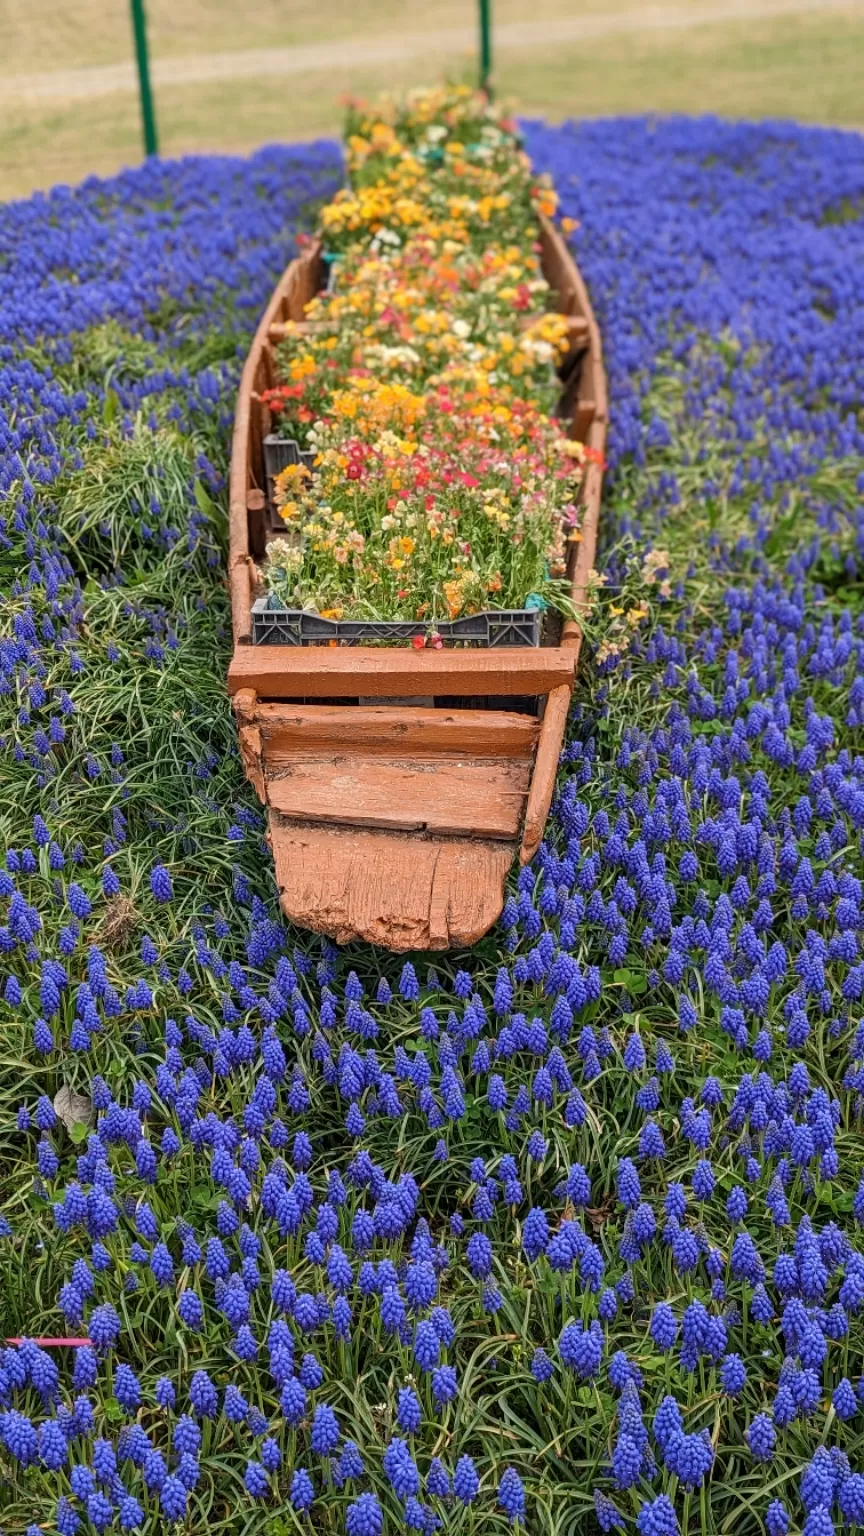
(75, 34)
(806, 66)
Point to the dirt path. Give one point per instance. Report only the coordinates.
(200, 68)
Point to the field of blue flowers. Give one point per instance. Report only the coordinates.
(564, 1234)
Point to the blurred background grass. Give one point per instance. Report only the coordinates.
(68, 94)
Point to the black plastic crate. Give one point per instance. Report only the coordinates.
(279, 452)
(295, 626)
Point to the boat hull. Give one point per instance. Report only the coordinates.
(399, 784)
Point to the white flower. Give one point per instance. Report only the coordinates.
(541, 350)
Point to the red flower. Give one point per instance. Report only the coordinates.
(276, 398)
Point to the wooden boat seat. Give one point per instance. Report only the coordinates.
(390, 729)
(306, 672)
(483, 797)
(577, 326)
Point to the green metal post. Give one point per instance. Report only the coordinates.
(486, 46)
(148, 116)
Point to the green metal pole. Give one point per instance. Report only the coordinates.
(148, 116)
(486, 46)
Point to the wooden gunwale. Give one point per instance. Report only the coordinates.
(293, 290)
(288, 731)
(589, 425)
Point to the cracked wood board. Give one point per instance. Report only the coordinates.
(398, 889)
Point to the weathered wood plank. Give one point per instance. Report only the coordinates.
(278, 332)
(584, 411)
(592, 384)
(477, 797)
(586, 549)
(287, 729)
(305, 672)
(559, 269)
(241, 580)
(545, 771)
(250, 741)
(400, 890)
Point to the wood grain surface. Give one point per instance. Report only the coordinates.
(392, 729)
(400, 890)
(480, 797)
(315, 671)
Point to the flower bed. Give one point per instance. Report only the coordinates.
(419, 388)
(565, 1235)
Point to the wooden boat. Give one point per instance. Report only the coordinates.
(400, 783)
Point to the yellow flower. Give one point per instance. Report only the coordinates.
(570, 448)
(292, 476)
(301, 367)
(344, 404)
(383, 136)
